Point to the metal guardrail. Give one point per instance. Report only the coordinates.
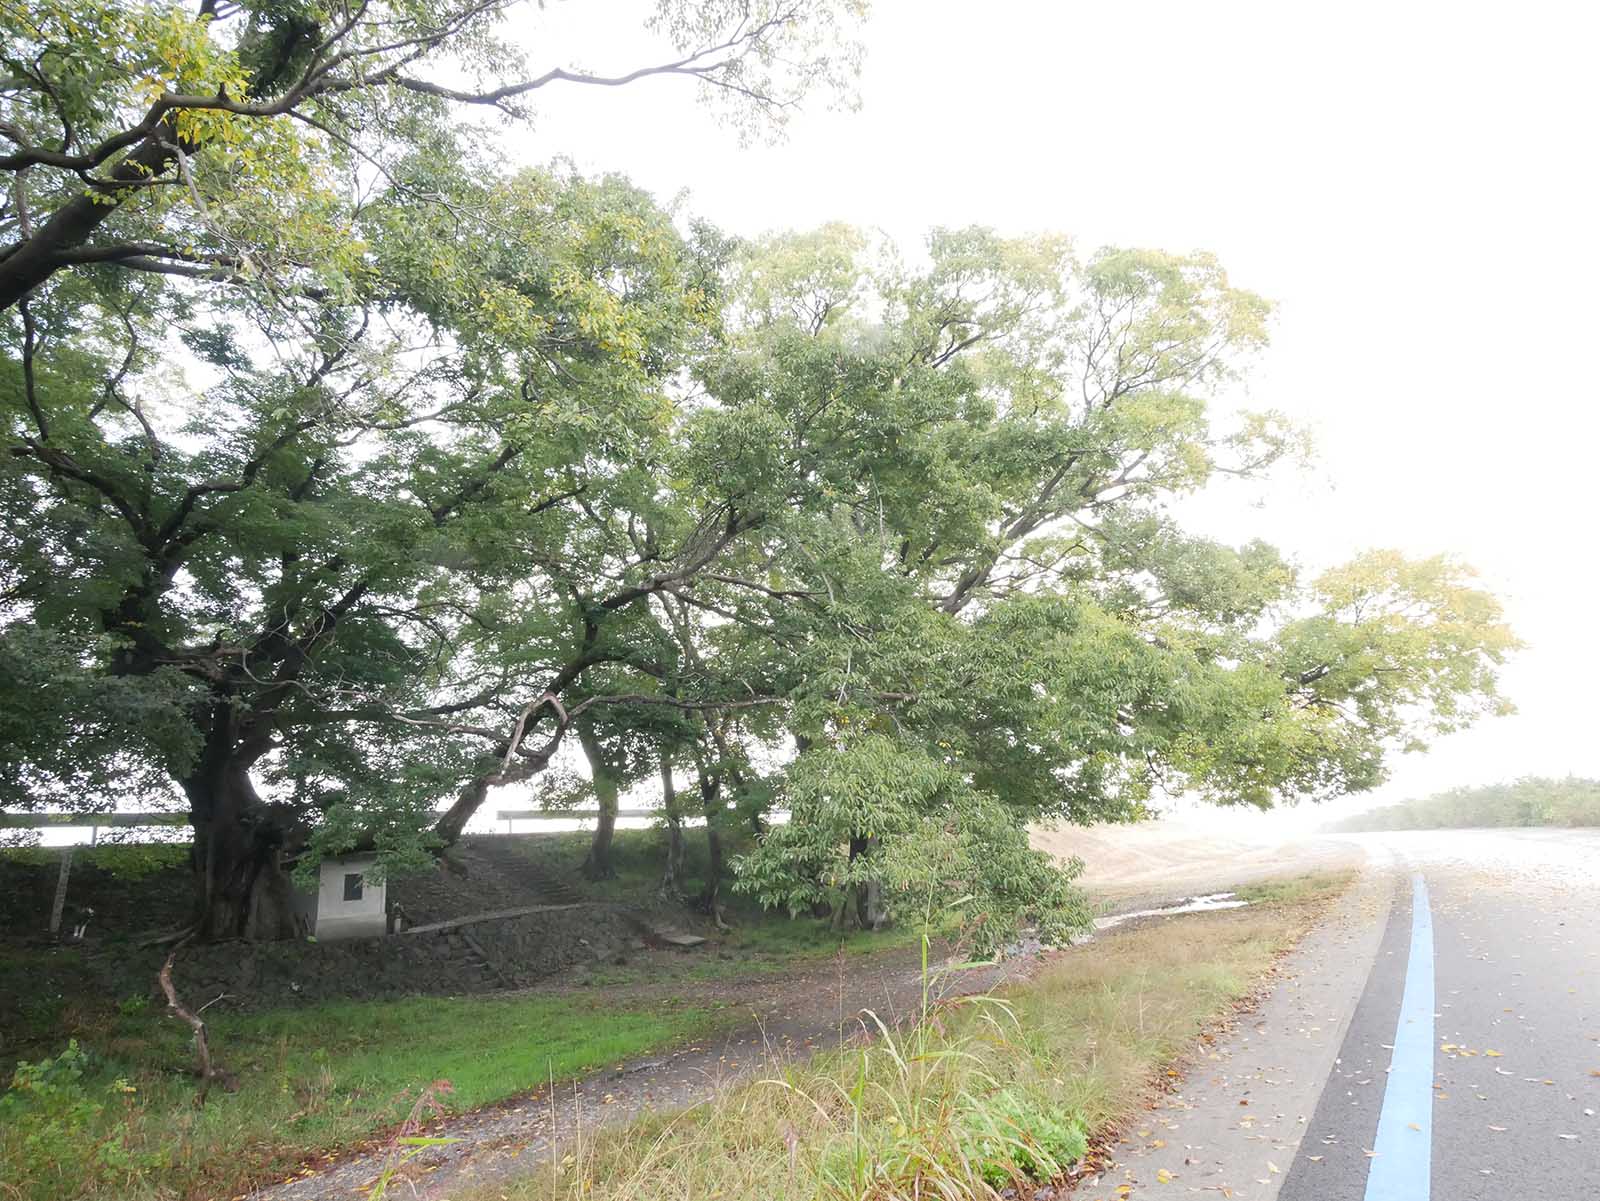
(95, 822)
(40, 821)
(527, 815)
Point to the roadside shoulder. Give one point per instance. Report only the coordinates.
(1236, 1119)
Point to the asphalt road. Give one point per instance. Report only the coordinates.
(1436, 1039)
(1470, 1070)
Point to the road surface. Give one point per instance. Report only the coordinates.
(1437, 1040)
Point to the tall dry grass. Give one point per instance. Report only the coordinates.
(977, 1095)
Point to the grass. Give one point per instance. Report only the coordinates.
(982, 1094)
(117, 1120)
(311, 1080)
(1308, 888)
(958, 1104)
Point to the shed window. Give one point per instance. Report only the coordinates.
(352, 886)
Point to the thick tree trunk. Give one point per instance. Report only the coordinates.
(673, 872)
(876, 916)
(242, 887)
(844, 916)
(468, 801)
(598, 864)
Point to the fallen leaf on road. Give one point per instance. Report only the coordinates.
(1163, 1177)
(1494, 1054)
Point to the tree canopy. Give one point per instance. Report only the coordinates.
(244, 141)
(337, 538)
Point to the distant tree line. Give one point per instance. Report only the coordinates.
(1530, 801)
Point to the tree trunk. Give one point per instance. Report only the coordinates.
(711, 895)
(868, 896)
(598, 864)
(242, 889)
(877, 917)
(673, 872)
(844, 916)
(468, 801)
(710, 899)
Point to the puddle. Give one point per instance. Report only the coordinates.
(1205, 904)
(1031, 945)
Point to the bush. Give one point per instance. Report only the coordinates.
(51, 1115)
(1016, 1133)
(48, 1101)
(947, 1109)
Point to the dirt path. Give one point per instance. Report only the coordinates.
(789, 1015)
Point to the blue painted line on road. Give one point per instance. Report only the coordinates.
(1402, 1170)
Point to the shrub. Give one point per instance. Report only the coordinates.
(51, 1114)
(1018, 1133)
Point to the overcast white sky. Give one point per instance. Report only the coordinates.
(1413, 184)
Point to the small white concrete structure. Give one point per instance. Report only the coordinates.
(347, 904)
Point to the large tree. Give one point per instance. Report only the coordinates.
(1003, 621)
